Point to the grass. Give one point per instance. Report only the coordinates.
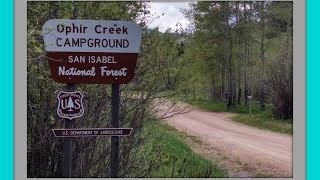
(173, 158)
(260, 119)
(265, 121)
(222, 107)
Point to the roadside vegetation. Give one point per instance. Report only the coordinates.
(239, 50)
(263, 119)
(169, 156)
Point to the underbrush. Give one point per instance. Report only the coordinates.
(259, 118)
(167, 155)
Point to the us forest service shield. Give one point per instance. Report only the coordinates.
(70, 104)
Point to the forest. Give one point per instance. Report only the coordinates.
(229, 51)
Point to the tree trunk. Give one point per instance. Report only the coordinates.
(239, 57)
(262, 57)
(212, 88)
(228, 56)
(245, 56)
(222, 82)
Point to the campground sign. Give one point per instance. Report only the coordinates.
(91, 51)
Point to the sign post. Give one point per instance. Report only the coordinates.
(115, 102)
(67, 152)
(67, 145)
(91, 52)
(69, 106)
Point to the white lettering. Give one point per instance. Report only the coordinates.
(106, 72)
(76, 72)
(102, 59)
(76, 59)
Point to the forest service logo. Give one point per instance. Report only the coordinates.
(70, 104)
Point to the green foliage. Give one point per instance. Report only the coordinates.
(235, 50)
(265, 121)
(222, 107)
(44, 151)
(170, 157)
(159, 61)
(258, 118)
(158, 69)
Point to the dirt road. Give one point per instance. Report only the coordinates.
(242, 150)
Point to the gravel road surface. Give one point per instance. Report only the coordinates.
(242, 150)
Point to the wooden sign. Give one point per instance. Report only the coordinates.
(91, 51)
